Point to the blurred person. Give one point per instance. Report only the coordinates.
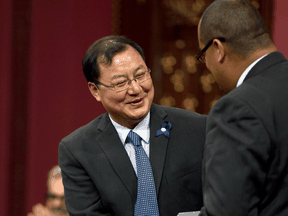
(246, 150)
(139, 158)
(55, 203)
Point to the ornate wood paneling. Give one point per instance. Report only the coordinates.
(167, 32)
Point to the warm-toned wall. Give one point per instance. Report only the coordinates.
(42, 45)
(5, 53)
(57, 100)
(280, 24)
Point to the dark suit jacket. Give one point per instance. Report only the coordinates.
(246, 149)
(99, 178)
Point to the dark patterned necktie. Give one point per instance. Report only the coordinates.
(146, 203)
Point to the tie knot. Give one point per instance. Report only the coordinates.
(134, 138)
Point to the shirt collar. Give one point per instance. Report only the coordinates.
(245, 73)
(142, 129)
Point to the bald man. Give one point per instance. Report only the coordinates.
(55, 203)
(246, 148)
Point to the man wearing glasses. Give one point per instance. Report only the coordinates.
(55, 203)
(246, 148)
(138, 158)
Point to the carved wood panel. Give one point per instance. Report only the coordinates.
(167, 32)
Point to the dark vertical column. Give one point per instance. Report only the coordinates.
(19, 106)
(155, 46)
(266, 10)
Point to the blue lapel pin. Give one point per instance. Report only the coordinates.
(165, 127)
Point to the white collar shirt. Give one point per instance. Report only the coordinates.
(142, 129)
(245, 73)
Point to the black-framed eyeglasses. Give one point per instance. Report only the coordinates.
(51, 196)
(200, 56)
(125, 84)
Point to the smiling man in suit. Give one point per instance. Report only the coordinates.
(246, 148)
(139, 158)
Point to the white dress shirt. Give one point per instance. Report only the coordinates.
(245, 73)
(142, 129)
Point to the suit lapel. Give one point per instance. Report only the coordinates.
(112, 146)
(158, 145)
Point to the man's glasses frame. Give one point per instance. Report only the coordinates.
(200, 56)
(128, 81)
(52, 196)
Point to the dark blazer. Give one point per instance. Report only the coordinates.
(246, 149)
(99, 178)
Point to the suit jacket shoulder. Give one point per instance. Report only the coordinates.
(90, 131)
(250, 123)
(264, 91)
(178, 116)
(93, 159)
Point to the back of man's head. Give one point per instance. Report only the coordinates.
(54, 173)
(239, 22)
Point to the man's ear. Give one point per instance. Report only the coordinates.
(221, 52)
(94, 91)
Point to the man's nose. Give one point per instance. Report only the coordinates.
(134, 87)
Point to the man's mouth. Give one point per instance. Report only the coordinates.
(136, 101)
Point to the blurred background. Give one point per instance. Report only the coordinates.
(44, 95)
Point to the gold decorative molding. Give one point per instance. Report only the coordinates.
(167, 101)
(177, 80)
(206, 81)
(191, 64)
(190, 103)
(184, 12)
(180, 44)
(168, 63)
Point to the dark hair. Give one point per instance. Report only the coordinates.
(102, 51)
(239, 22)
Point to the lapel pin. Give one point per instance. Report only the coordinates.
(165, 127)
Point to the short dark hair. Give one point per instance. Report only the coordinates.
(102, 51)
(239, 22)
